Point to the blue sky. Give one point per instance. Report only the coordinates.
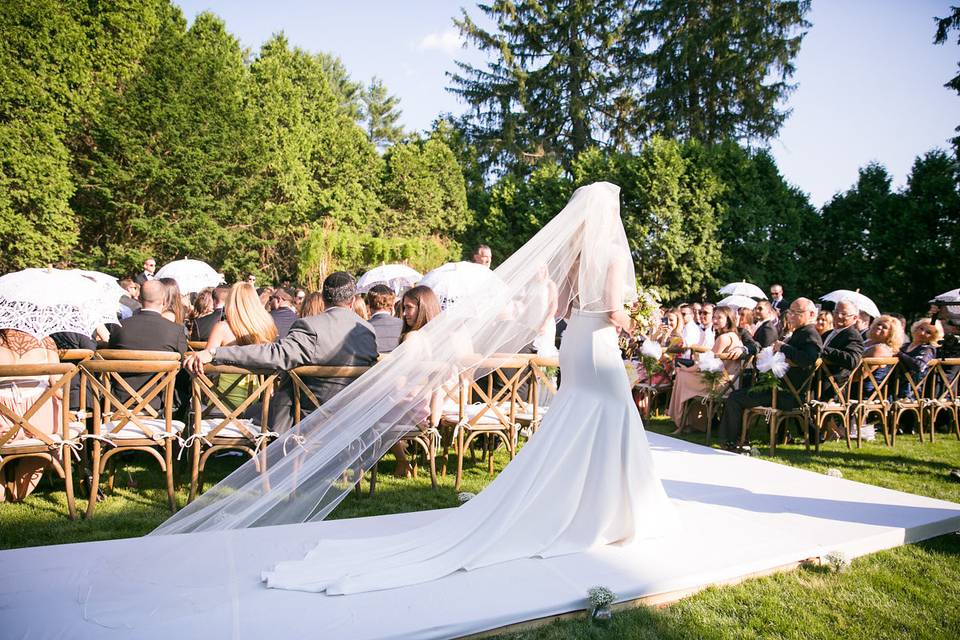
(870, 78)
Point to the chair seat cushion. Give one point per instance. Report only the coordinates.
(76, 430)
(241, 428)
(470, 411)
(132, 431)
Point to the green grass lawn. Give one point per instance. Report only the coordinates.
(908, 592)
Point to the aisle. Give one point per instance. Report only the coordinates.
(742, 516)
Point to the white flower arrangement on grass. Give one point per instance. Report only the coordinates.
(837, 561)
(601, 597)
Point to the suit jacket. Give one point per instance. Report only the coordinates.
(202, 326)
(337, 336)
(284, 317)
(70, 340)
(843, 352)
(766, 334)
(802, 350)
(749, 343)
(387, 328)
(147, 330)
(141, 277)
(781, 305)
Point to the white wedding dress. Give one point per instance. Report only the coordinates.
(585, 479)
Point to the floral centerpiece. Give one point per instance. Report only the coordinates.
(642, 313)
(600, 599)
(713, 374)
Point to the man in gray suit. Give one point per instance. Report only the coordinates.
(380, 300)
(337, 337)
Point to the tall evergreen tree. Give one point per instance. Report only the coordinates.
(550, 84)
(381, 115)
(348, 92)
(717, 69)
(944, 27)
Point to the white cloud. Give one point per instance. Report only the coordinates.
(448, 41)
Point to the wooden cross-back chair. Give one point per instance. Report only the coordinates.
(541, 389)
(776, 414)
(830, 400)
(305, 401)
(196, 345)
(56, 444)
(221, 425)
(909, 398)
(132, 424)
(870, 394)
(713, 404)
(494, 416)
(943, 392)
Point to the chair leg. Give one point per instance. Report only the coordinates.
(68, 482)
(195, 486)
(432, 453)
(373, 478)
(774, 423)
(460, 446)
(94, 479)
(168, 458)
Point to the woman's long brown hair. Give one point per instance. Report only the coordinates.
(428, 307)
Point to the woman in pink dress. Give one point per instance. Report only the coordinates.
(689, 384)
(19, 394)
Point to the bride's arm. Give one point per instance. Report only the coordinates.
(613, 296)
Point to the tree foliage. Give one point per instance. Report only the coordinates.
(381, 115)
(944, 27)
(717, 70)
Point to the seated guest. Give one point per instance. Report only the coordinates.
(707, 335)
(283, 310)
(863, 323)
(312, 305)
(419, 306)
(245, 322)
(360, 308)
(884, 339)
(915, 356)
(802, 351)
(842, 346)
(337, 336)
(202, 306)
(689, 383)
(380, 301)
(148, 330)
(132, 298)
(19, 396)
(173, 308)
(691, 332)
(766, 332)
(824, 323)
(204, 324)
(745, 331)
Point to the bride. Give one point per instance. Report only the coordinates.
(585, 479)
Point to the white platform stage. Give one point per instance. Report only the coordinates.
(741, 517)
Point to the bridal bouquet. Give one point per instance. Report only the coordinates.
(641, 313)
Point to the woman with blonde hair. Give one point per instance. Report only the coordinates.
(312, 305)
(245, 321)
(922, 348)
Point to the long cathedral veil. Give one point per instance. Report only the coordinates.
(580, 257)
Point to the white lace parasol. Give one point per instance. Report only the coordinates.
(191, 275)
(45, 301)
(396, 276)
(743, 288)
(454, 281)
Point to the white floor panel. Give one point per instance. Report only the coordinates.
(741, 516)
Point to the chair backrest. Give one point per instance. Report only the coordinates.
(212, 400)
(196, 345)
(12, 421)
(801, 394)
(302, 394)
(830, 384)
(478, 383)
(874, 377)
(943, 380)
(108, 372)
(74, 355)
